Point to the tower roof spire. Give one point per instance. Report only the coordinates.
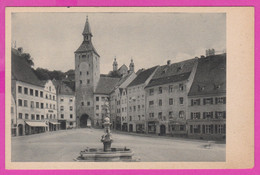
(87, 30)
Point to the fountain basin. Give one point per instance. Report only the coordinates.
(99, 155)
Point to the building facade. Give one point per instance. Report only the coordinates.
(167, 98)
(87, 75)
(136, 101)
(207, 99)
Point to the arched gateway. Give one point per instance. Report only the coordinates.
(83, 121)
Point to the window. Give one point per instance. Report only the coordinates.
(151, 92)
(32, 104)
(80, 73)
(151, 103)
(87, 72)
(151, 115)
(207, 115)
(26, 91)
(170, 88)
(20, 116)
(62, 116)
(195, 115)
(49, 88)
(25, 103)
(88, 103)
(181, 100)
(160, 115)
(134, 108)
(37, 104)
(181, 87)
(209, 129)
(170, 114)
(82, 103)
(33, 117)
(220, 114)
(46, 96)
(71, 123)
(142, 106)
(61, 99)
(42, 105)
(19, 89)
(80, 81)
(61, 108)
(71, 116)
(41, 94)
(71, 100)
(42, 117)
(220, 100)
(53, 97)
(97, 98)
(47, 105)
(53, 106)
(50, 96)
(171, 101)
(139, 117)
(27, 116)
(181, 114)
(139, 107)
(160, 90)
(47, 116)
(31, 91)
(182, 127)
(12, 109)
(195, 102)
(160, 102)
(50, 116)
(36, 93)
(71, 108)
(130, 109)
(20, 102)
(37, 117)
(50, 106)
(130, 118)
(207, 101)
(88, 81)
(54, 116)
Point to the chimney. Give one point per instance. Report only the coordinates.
(168, 62)
(210, 52)
(202, 56)
(20, 50)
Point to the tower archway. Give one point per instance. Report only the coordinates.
(83, 120)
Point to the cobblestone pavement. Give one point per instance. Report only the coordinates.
(65, 145)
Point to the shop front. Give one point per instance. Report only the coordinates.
(35, 127)
(54, 126)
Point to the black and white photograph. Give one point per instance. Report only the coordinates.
(118, 87)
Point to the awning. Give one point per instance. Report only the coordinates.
(55, 123)
(36, 124)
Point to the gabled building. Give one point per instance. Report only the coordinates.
(136, 101)
(207, 99)
(167, 98)
(65, 105)
(28, 94)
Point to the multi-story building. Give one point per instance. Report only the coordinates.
(118, 98)
(207, 99)
(167, 98)
(13, 116)
(28, 92)
(50, 106)
(66, 105)
(136, 100)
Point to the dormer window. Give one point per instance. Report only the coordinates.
(201, 88)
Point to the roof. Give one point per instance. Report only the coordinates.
(105, 85)
(36, 124)
(210, 77)
(87, 28)
(172, 73)
(62, 88)
(142, 76)
(22, 71)
(122, 80)
(86, 46)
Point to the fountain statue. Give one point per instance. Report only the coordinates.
(107, 153)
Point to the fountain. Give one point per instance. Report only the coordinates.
(107, 153)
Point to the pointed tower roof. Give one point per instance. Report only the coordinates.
(87, 30)
(86, 45)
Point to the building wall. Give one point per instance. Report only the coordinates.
(99, 101)
(214, 124)
(66, 110)
(87, 74)
(29, 112)
(13, 117)
(164, 112)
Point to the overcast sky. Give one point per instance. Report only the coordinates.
(149, 38)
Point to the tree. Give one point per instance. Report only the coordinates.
(27, 57)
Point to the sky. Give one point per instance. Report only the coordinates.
(148, 38)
